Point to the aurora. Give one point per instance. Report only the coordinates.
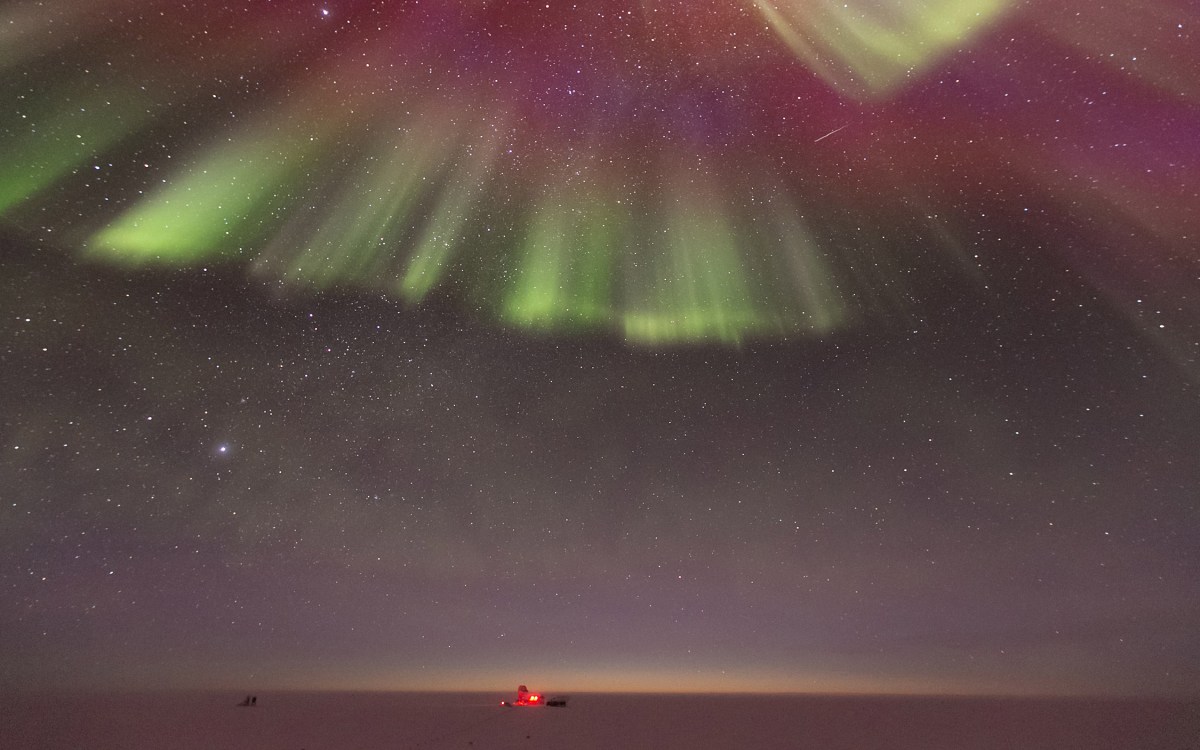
(739, 171)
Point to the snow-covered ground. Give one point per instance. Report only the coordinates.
(343, 721)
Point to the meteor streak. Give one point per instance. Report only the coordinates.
(831, 132)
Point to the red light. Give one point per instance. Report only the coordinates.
(534, 698)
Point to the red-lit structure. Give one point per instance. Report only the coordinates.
(526, 698)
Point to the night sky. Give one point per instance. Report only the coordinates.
(727, 345)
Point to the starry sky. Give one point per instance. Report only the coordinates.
(729, 345)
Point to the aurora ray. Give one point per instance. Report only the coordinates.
(871, 49)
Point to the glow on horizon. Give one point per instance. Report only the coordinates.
(855, 677)
(632, 683)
